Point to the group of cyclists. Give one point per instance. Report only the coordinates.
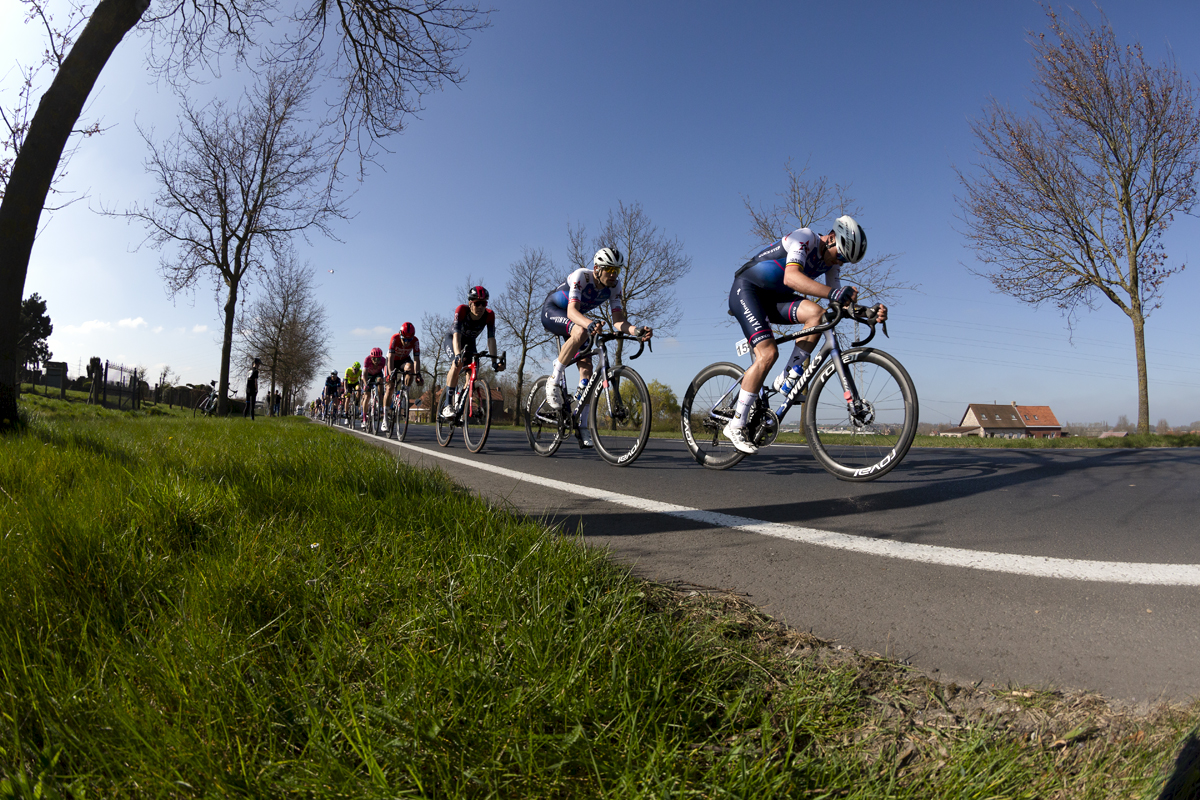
(772, 287)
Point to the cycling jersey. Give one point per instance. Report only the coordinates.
(801, 247)
(373, 367)
(582, 288)
(352, 377)
(402, 350)
(469, 328)
(333, 385)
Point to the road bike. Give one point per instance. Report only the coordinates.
(206, 406)
(372, 413)
(616, 402)
(858, 427)
(472, 406)
(351, 408)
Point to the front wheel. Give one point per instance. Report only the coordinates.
(866, 439)
(708, 405)
(445, 427)
(620, 414)
(477, 413)
(402, 414)
(543, 425)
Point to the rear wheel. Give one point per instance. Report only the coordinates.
(477, 413)
(620, 415)
(708, 405)
(865, 441)
(445, 427)
(198, 409)
(543, 424)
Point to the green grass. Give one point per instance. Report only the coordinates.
(219, 608)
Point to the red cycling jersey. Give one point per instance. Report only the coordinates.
(402, 350)
(373, 367)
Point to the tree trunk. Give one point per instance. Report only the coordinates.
(227, 347)
(1139, 346)
(34, 168)
(520, 384)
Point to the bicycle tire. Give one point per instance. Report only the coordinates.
(708, 404)
(402, 415)
(198, 407)
(543, 426)
(377, 414)
(864, 449)
(477, 414)
(621, 417)
(444, 427)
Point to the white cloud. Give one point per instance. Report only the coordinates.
(158, 329)
(132, 323)
(378, 330)
(199, 328)
(90, 326)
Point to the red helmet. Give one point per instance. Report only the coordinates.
(478, 293)
(376, 352)
(407, 330)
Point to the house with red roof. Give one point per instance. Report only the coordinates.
(1007, 422)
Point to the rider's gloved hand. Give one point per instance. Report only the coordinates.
(458, 359)
(644, 333)
(595, 327)
(843, 295)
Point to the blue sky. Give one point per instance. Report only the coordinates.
(687, 108)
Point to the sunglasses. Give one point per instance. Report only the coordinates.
(478, 302)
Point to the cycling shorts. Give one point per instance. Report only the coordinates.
(555, 320)
(371, 380)
(468, 344)
(756, 308)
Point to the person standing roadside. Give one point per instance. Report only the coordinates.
(251, 389)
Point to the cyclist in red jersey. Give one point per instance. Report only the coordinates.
(404, 360)
(469, 322)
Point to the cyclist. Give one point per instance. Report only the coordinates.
(404, 360)
(331, 392)
(469, 322)
(772, 287)
(353, 376)
(375, 375)
(565, 314)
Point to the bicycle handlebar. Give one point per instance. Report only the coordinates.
(601, 337)
(835, 314)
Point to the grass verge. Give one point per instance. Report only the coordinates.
(213, 607)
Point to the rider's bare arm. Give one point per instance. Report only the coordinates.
(800, 283)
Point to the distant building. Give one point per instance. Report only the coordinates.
(1007, 422)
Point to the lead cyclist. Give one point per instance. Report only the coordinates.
(773, 287)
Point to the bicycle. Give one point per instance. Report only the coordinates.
(859, 430)
(206, 406)
(398, 411)
(472, 408)
(619, 419)
(372, 413)
(352, 409)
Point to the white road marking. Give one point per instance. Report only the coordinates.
(1034, 566)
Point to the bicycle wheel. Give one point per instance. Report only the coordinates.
(198, 409)
(543, 425)
(868, 443)
(402, 415)
(477, 414)
(620, 416)
(445, 427)
(708, 404)
(377, 415)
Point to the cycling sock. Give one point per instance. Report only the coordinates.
(556, 372)
(799, 356)
(745, 400)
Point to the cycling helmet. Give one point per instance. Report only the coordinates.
(478, 293)
(608, 257)
(376, 352)
(357, 366)
(851, 239)
(407, 330)
(333, 374)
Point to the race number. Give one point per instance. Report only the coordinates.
(742, 347)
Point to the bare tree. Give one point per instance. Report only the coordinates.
(286, 327)
(1070, 203)
(654, 263)
(519, 307)
(434, 361)
(809, 200)
(383, 57)
(235, 182)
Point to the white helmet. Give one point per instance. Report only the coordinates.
(608, 257)
(851, 239)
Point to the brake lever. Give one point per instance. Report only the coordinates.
(885, 333)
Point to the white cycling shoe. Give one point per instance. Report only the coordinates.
(738, 437)
(585, 438)
(553, 397)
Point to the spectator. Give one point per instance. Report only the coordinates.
(251, 390)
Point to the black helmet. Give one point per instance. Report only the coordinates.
(478, 293)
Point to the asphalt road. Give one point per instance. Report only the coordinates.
(1006, 513)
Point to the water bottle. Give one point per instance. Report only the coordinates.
(582, 388)
(788, 378)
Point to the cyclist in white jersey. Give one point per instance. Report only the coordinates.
(772, 286)
(565, 314)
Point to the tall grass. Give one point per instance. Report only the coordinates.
(220, 608)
